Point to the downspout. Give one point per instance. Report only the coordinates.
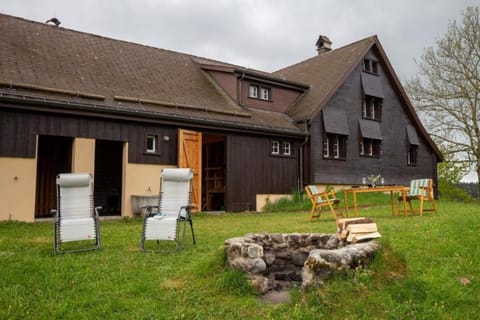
(301, 166)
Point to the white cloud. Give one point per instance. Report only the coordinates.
(262, 34)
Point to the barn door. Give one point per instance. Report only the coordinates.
(190, 156)
(54, 156)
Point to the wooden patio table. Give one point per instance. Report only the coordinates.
(392, 189)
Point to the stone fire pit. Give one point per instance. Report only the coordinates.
(277, 261)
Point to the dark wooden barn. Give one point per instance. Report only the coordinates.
(77, 102)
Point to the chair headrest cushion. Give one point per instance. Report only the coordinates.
(73, 180)
(177, 174)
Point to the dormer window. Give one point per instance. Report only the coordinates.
(259, 92)
(370, 66)
(253, 92)
(265, 93)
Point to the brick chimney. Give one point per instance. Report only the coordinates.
(323, 44)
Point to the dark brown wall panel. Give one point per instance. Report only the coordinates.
(18, 133)
(252, 170)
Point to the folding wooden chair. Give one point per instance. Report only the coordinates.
(321, 200)
(421, 190)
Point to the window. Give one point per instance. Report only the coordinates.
(151, 143)
(264, 93)
(412, 155)
(370, 66)
(412, 143)
(275, 147)
(286, 148)
(372, 108)
(253, 92)
(259, 92)
(370, 147)
(281, 148)
(334, 146)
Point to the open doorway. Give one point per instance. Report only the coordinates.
(54, 156)
(214, 178)
(108, 177)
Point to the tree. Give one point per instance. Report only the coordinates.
(446, 93)
(449, 175)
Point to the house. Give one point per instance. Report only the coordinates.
(359, 118)
(77, 102)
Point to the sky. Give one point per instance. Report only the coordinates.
(261, 34)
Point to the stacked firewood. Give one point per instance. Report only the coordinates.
(357, 229)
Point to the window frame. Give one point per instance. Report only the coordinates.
(334, 146)
(412, 155)
(265, 93)
(275, 147)
(281, 148)
(370, 148)
(286, 148)
(259, 92)
(151, 143)
(372, 108)
(253, 91)
(370, 66)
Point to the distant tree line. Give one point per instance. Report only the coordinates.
(470, 187)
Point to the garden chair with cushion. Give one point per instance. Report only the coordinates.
(162, 223)
(421, 190)
(321, 200)
(75, 219)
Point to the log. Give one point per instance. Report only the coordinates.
(355, 237)
(357, 229)
(362, 228)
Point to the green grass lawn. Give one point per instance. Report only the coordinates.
(417, 275)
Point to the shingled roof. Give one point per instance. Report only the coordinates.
(325, 73)
(67, 68)
(62, 64)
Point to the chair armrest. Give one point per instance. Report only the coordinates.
(329, 195)
(187, 209)
(97, 209)
(426, 190)
(54, 214)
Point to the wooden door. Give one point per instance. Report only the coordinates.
(190, 156)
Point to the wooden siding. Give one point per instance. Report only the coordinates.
(17, 135)
(252, 170)
(19, 129)
(392, 163)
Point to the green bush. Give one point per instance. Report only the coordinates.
(448, 191)
(297, 202)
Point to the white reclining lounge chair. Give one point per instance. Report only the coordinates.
(75, 218)
(163, 222)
